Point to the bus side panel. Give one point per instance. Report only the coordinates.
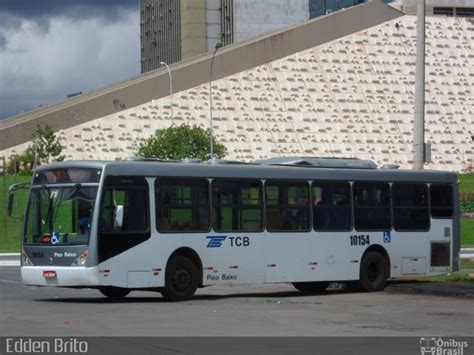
(328, 256)
(286, 256)
(229, 257)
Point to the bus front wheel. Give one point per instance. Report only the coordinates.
(181, 279)
(373, 272)
(114, 293)
(311, 287)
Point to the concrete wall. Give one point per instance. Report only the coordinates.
(252, 18)
(193, 28)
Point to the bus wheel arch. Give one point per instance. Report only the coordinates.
(194, 257)
(374, 268)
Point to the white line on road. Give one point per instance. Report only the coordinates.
(9, 262)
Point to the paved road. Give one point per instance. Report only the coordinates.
(264, 310)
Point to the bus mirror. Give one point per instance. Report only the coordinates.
(10, 204)
(118, 216)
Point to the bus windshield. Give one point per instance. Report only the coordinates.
(59, 215)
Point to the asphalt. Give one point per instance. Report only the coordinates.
(240, 310)
(446, 289)
(407, 286)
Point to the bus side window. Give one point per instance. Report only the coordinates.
(441, 197)
(372, 206)
(331, 206)
(182, 205)
(410, 207)
(125, 207)
(287, 206)
(237, 205)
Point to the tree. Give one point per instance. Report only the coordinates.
(21, 164)
(47, 148)
(46, 145)
(178, 143)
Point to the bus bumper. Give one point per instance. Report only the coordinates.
(60, 276)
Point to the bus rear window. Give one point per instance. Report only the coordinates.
(441, 201)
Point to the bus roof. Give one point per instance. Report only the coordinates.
(255, 171)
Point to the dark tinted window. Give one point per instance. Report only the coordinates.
(441, 201)
(124, 210)
(124, 216)
(447, 11)
(371, 206)
(331, 206)
(410, 207)
(182, 205)
(237, 205)
(287, 206)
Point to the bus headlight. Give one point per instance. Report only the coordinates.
(25, 260)
(81, 260)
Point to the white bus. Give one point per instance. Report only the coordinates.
(175, 226)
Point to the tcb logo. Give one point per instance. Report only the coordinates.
(215, 242)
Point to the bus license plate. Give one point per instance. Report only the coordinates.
(49, 274)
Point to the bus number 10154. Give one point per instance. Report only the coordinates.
(360, 239)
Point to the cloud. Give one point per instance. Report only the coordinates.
(39, 66)
(37, 10)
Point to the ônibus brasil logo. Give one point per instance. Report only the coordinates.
(215, 241)
(442, 346)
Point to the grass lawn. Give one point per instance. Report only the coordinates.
(459, 276)
(11, 241)
(466, 182)
(467, 264)
(467, 232)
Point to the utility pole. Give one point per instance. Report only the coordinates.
(218, 45)
(419, 126)
(171, 90)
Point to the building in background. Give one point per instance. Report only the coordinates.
(340, 85)
(458, 8)
(175, 30)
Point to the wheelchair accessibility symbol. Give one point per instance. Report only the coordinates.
(386, 237)
(55, 238)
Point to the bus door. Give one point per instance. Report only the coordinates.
(286, 246)
(123, 225)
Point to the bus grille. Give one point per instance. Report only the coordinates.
(440, 254)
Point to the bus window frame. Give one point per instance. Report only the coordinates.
(124, 187)
(351, 205)
(452, 199)
(179, 179)
(389, 183)
(310, 217)
(392, 202)
(262, 206)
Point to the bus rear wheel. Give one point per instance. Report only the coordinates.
(311, 287)
(114, 293)
(181, 279)
(373, 272)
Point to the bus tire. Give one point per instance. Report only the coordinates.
(114, 293)
(373, 272)
(181, 279)
(311, 287)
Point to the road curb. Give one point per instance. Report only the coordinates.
(9, 254)
(433, 289)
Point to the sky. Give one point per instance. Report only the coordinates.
(52, 48)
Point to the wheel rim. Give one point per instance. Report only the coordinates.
(373, 272)
(181, 279)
